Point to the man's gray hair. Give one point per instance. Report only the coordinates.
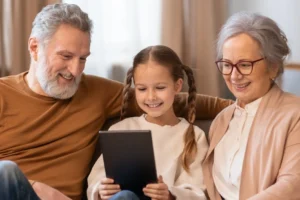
(52, 16)
(271, 39)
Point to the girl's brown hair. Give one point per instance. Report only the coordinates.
(167, 57)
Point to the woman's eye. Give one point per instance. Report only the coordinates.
(244, 64)
(226, 65)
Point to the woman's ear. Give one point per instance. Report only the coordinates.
(273, 71)
(33, 45)
(178, 85)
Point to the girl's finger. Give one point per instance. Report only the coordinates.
(107, 181)
(160, 179)
(156, 192)
(108, 192)
(109, 187)
(158, 186)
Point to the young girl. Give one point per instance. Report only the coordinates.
(179, 147)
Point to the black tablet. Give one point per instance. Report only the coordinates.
(129, 158)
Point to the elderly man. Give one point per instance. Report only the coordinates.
(50, 115)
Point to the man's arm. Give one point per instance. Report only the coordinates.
(207, 107)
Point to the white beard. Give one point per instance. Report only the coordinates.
(49, 82)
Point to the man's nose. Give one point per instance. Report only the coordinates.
(76, 67)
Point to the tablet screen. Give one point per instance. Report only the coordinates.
(129, 158)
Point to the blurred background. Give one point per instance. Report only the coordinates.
(123, 27)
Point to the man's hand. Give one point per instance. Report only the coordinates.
(107, 188)
(45, 192)
(158, 191)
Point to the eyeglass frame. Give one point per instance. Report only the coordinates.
(235, 65)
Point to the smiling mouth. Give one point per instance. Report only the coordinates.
(67, 76)
(154, 105)
(241, 86)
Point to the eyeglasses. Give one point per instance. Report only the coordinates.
(243, 67)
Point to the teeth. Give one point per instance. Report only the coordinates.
(153, 105)
(242, 85)
(69, 77)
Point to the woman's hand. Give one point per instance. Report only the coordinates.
(107, 188)
(158, 191)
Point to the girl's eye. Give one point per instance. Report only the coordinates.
(160, 88)
(141, 89)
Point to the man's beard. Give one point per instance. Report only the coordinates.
(49, 82)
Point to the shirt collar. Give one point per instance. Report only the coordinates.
(250, 108)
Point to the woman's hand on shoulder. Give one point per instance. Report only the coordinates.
(158, 191)
(107, 188)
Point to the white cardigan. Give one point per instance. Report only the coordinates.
(168, 144)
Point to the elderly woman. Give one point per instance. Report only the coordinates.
(255, 143)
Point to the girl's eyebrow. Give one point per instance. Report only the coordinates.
(160, 83)
(138, 84)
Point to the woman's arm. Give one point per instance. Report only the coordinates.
(288, 179)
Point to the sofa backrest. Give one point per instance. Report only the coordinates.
(204, 125)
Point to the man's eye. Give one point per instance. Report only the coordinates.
(66, 57)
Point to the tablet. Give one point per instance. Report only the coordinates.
(129, 158)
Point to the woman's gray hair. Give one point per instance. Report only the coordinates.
(272, 40)
(52, 16)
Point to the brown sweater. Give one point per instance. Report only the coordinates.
(53, 140)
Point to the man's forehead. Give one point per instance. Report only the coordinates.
(70, 40)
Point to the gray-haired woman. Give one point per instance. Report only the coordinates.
(254, 148)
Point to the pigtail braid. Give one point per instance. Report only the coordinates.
(127, 87)
(190, 144)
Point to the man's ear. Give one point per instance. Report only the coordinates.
(178, 85)
(33, 48)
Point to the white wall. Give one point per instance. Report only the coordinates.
(285, 12)
(121, 29)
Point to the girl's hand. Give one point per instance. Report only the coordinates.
(107, 189)
(158, 191)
